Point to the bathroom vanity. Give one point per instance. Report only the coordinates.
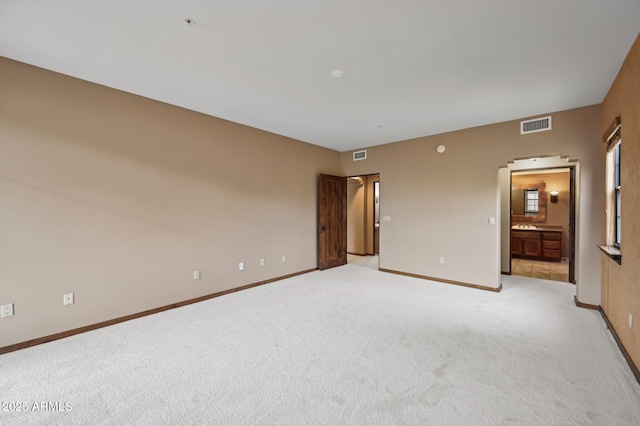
(537, 242)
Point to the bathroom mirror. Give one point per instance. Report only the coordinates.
(524, 200)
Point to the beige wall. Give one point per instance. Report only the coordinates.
(440, 204)
(620, 283)
(119, 199)
(557, 214)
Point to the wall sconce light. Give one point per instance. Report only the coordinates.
(554, 196)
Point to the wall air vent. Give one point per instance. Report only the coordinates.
(536, 125)
(360, 155)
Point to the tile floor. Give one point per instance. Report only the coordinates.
(555, 271)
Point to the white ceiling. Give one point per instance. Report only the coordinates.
(412, 67)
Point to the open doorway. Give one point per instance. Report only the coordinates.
(363, 216)
(376, 217)
(542, 223)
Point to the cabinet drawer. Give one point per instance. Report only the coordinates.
(552, 236)
(554, 245)
(530, 235)
(551, 254)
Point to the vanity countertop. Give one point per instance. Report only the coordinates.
(544, 228)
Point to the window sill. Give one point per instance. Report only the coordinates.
(612, 252)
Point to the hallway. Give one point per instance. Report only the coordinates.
(554, 271)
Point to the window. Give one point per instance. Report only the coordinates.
(531, 201)
(613, 139)
(616, 190)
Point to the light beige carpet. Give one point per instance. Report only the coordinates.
(349, 345)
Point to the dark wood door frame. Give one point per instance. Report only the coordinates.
(376, 231)
(369, 204)
(572, 224)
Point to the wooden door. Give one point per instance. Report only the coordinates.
(332, 221)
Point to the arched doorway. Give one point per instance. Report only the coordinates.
(542, 236)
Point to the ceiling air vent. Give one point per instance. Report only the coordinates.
(360, 155)
(535, 125)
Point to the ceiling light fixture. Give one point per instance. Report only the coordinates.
(337, 74)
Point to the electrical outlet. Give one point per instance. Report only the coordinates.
(630, 320)
(241, 266)
(261, 262)
(386, 218)
(6, 310)
(284, 257)
(196, 275)
(441, 260)
(67, 299)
